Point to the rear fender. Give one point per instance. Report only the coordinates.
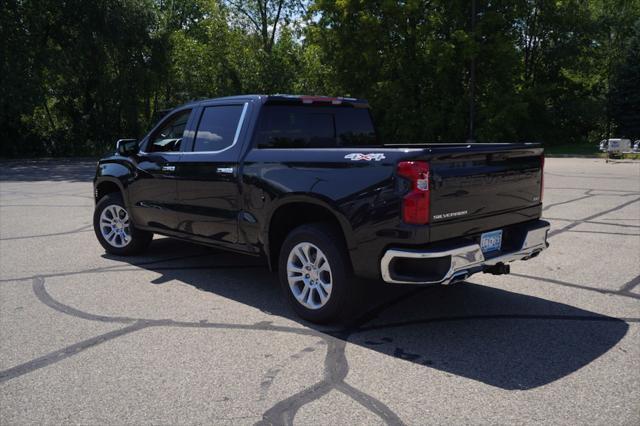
(314, 199)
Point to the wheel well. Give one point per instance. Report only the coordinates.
(289, 217)
(105, 188)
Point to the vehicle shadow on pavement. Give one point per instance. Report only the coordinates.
(502, 338)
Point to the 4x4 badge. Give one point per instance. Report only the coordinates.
(356, 156)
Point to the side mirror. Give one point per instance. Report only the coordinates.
(127, 147)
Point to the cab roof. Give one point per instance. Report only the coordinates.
(293, 99)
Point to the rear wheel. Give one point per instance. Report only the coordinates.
(113, 227)
(315, 274)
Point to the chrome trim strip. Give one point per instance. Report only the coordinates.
(465, 258)
(161, 152)
(244, 112)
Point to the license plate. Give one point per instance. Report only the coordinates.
(491, 241)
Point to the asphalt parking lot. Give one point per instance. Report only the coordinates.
(191, 335)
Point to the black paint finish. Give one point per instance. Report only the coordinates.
(474, 188)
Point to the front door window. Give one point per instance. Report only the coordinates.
(169, 136)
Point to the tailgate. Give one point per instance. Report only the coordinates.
(477, 184)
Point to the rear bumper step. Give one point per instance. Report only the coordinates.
(456, 264)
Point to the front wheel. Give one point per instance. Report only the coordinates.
(113, 227)
(315, 273)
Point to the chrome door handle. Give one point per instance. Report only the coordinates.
(225, 170)
(168, 168)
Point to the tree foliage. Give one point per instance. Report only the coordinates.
(76, 75)
(625, 90)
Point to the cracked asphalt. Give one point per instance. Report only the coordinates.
(191, 335)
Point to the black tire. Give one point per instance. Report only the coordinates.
(343, 286)
(140, 240)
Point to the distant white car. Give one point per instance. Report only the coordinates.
(618, 146)
(636, 146)
(603, 145)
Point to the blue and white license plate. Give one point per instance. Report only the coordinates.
(491, 241)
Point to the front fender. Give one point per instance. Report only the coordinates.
(117, 171)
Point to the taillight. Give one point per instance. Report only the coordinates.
(541, 176)
(415, 204)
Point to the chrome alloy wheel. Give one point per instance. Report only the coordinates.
(309, 275)
(114, 226)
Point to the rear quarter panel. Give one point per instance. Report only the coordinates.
(361, 194)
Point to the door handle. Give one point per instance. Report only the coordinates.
(225, 170)
(168, 168)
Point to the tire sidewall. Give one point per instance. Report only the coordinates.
(327, 240)
(139, 239)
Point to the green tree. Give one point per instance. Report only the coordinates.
(23, 61)
(265, 17)
(625, 92)
(75, 75)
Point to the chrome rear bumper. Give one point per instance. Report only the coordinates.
(464, 261)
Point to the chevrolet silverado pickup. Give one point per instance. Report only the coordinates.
(305, 183)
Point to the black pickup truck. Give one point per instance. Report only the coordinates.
(304, 182)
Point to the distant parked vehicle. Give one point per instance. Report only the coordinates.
(617, 147)
(636, 146)
(603, 145)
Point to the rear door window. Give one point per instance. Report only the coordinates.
(217, 128)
